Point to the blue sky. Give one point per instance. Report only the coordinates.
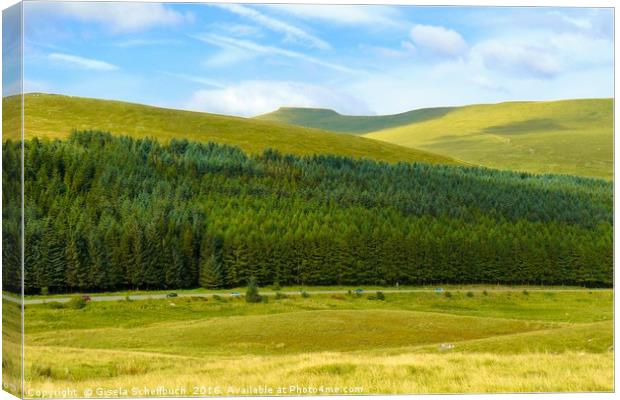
(251, 59)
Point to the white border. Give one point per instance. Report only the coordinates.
(497, 3)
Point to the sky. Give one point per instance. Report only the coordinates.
(251, 59)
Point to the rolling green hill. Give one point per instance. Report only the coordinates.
(55, 116)
(567, 137)
(328, 119)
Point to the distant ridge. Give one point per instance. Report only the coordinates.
(55, 116)
(572, 136)
(322, 118)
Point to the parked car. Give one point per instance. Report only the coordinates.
(359, 291)
(172, 294)
(438, 290)
(86, 297)
(235, 294)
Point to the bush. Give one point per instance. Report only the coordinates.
(380, 296)
(280, 296)
(252, 295)
(485, 293)
(447, 294)
(525, 292)
(276, 286)
(305, 294)
(470, 294)
(76, 303)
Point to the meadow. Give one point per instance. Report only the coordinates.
(488, 340)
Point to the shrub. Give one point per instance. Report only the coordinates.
(305, 294)
(280, 296)
(76, 303)
(380, 296)
(470, 294)
(372, 297)
(484, 292)
(525, 292)
(217, 297)
(252, 295)
(276, 286)
(447, 294)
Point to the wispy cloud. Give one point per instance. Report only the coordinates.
(197, 79)
(117, 17)
(147, 42)
(82, 62)
(344, 14)
(259, 49)
(291, 33)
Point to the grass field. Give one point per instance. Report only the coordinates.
(488, 340)
(568, 137)
(55, 116)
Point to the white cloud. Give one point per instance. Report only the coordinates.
(81, 62)
(344, 14)
(117, 17)
(246, 46)
(439, 40)
(292, 33)
(543, 55)
(517, 59)
(250, 98)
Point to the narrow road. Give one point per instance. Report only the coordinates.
(268, 293)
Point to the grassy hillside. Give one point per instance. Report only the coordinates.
(331, 120)
(568, 137)
(54, 116)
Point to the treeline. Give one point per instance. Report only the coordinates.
(106, 213)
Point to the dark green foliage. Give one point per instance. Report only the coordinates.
(470, 294)
(252, 295)
(485, 293)
(280, 296)
(305, 294)
(447, 294)
(526, 293)
(76, 303)
(377, 296)
(110, 213)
